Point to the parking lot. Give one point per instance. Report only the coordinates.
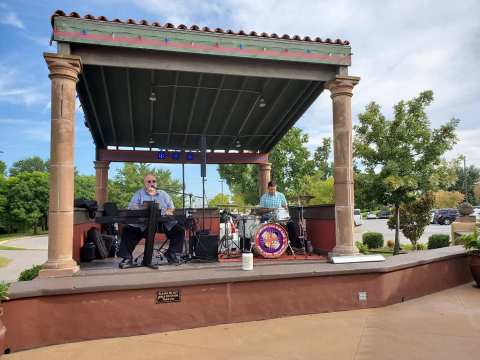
(380, 225)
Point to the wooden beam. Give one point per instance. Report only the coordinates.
(165, 157)
(158, 60)
(130, 110)
(250, 112)
(214, 104)
(271, 107)
(299, 105)
(172, 108)
(94, 110)
(192, 108)
(232, 110)
(109, 107)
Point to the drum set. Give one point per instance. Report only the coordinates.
(263, 231)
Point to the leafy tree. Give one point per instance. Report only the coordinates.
(365, 197)
(130, 178)
(471, 175)
(85, 186)
(3, 169)
(29, 165)
(414, 218)
(321, 190)
(27, 199)
(445, 175)
(401, 154)
(447, 199)
(321, 158)
(290, 163)
(219, 199)
(3, 205)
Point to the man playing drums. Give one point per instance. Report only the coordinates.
(274, 199)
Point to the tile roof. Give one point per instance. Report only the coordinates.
(204, 29)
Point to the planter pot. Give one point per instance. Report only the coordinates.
(475, 266)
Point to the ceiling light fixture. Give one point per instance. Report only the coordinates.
(261, 102)
(238, 144)
(153, 96)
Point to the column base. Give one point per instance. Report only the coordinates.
(340, 250)
(58, 269)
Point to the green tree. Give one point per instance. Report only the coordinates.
(321, 158)
(130, 178)
(365, 197)
(219, 199)
(447, 199)
(467, 177)
(321, 189)
(414, 217)
(3, 169)
(85, 186)
(30, 164)
(401, 154)
(3, 205)
(290, 163)
(27, 199)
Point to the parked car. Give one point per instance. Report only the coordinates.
(446, 216)
(384, 214)
(476, 212)
(357, 217)
(371, 215)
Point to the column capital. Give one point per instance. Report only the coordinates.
(101, 164)
(265, 166)
(63, 66)
(342, 85)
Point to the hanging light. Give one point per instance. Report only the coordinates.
(262, 103)
(151, 141)
(153, 96)
(238, 144)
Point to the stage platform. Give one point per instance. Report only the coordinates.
(103, 301)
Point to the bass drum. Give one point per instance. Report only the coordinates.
(271, 240)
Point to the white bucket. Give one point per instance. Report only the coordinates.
(247, 261)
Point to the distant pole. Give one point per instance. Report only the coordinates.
(221, 182)
(465, 177)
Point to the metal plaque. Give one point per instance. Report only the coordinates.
(168, 296)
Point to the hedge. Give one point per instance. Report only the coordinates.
(438, 241)
(373, 240)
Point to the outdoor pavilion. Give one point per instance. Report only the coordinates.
(150, 91)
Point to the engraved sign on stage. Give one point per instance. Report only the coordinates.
(168, 296)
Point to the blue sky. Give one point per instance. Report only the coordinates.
(400, 49)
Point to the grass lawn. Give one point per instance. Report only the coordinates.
(4, 261)
(20, 235)
(5, 247)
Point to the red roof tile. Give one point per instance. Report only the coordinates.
(204, 29)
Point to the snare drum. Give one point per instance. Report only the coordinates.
(251, 223)
(271, 240)
(281, 215)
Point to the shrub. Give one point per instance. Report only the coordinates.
(373, 240)
(417, 246)
(29, 274)
(437, 241)
(361, 247)
(4, 291)
(391, 243)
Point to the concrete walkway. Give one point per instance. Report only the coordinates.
(445, 325)
(35, 254)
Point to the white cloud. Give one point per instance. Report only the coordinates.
(11, 18)
(16, 89)
(468, 145)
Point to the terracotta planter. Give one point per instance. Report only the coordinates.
(475, 265)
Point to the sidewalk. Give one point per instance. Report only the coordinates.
(445, 325)
(35, 254)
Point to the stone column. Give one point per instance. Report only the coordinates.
(101, 181)
(264, 171)
(341, 94)
(64, 70)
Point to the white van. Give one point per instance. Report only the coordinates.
(357, 217)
